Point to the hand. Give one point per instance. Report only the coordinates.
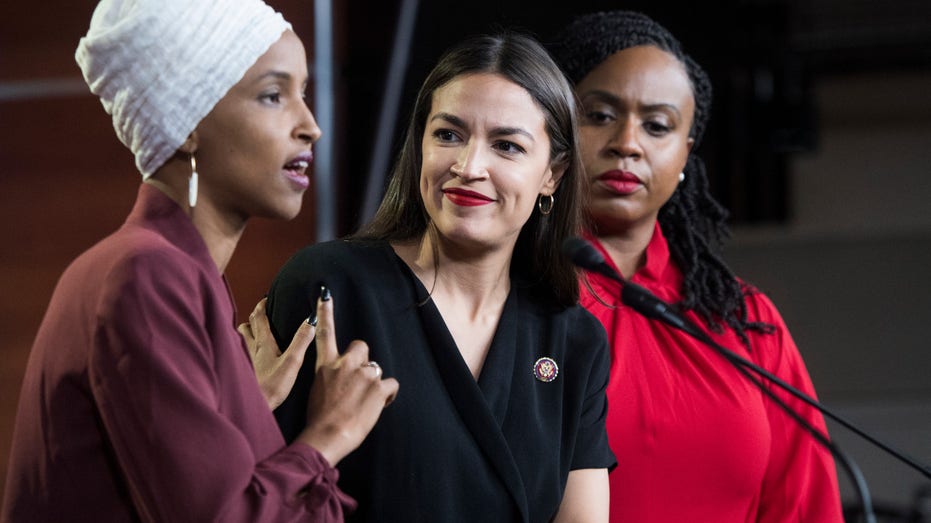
(276, 371)
(347, 396)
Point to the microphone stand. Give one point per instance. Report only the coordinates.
(644, 302)
(647, 304)
(585, 256)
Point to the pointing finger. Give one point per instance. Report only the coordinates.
(326, 333)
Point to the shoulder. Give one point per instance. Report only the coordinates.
(760, 308)
(336, 256)
(574, 328)
(549, 311)
(584, 319)
(136, 279)
(775, 349)
(584, 347)
(347, 267)
(586, 331)
(339, 264)
(138, 257)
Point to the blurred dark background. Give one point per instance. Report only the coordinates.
(819, 143)
(763, 56)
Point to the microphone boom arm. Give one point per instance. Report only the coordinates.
(644, 302)
(640, 299)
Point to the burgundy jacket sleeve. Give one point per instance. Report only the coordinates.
(176, 400)
(800, 484)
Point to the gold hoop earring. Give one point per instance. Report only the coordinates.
(546, 208)
(192, 184)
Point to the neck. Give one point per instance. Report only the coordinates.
(479, 281)
(627, 246)
(221, 233)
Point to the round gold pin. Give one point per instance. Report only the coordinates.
(545, 369)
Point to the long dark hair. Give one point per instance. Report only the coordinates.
(524, 61)
(693, 222)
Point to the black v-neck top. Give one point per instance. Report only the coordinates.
(451, 448)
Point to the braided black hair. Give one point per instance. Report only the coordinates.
(693, 222)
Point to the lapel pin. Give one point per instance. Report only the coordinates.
(545, 369)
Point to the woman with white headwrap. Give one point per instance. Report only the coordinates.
(140, 400)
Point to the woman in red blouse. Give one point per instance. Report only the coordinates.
(694, 439)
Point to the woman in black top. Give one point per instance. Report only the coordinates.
(459, 289)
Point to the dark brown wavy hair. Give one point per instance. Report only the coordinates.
(537, 260)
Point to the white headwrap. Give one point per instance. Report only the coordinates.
(159, 66)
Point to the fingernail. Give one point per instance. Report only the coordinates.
(324, 293)
(312, 320)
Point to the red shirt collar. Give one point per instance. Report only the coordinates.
(660, 275)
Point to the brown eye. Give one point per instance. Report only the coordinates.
(656, 128)
(598, 117)
(509, 147)
(273, 98)
(444, 135)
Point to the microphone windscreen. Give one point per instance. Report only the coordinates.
(582, 254)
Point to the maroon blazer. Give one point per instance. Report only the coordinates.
(140, 401)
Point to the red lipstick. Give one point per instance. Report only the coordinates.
(620, 182)
(466, 198)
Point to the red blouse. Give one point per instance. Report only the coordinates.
(694, 439)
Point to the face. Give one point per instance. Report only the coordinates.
(254, 148)
(486, 159)
(634, 135)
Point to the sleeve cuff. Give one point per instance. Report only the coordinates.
(322, 496)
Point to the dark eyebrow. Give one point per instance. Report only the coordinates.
(497, 131)
(610, 98)
(279, 75)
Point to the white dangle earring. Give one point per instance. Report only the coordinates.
(192, 184)
(681, 177)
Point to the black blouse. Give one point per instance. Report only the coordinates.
(451, 448)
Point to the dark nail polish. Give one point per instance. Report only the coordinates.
(312, 320)
(324, 293)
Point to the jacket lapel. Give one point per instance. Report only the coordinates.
(483, 416)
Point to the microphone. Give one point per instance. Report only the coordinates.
(584, 255)
(587, 257)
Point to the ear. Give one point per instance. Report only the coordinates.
(190, 144)
(689, 143)
(552, 177)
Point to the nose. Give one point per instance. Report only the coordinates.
(625, 140)
(307, 129)
(471, 164)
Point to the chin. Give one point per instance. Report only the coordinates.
(615, 210)
(288, 216)
(291, 206)
(291, 213)
(459, 236)
(282, 212)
